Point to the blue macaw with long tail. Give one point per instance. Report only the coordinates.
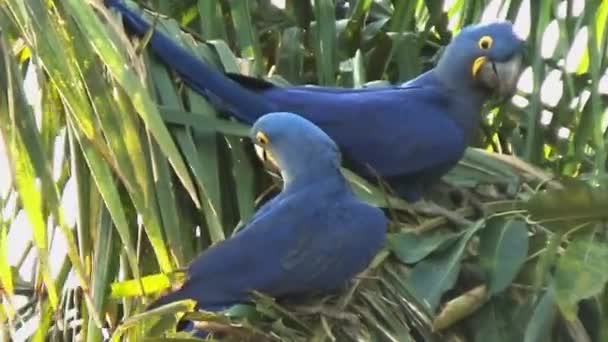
(313, 237)
(409, 134)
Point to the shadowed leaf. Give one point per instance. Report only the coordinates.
(576, 201)
(411, 247)
(503, 248)
(437, 274)
(542, 319)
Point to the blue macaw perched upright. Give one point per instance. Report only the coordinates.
(314, 236)
(410, 134)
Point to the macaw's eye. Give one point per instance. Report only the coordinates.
(262, 138)
(485, 42)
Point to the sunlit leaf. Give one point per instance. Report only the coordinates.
(152, 284)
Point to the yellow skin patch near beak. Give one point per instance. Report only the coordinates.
(262, 138)
(477, 65)
(262, 152)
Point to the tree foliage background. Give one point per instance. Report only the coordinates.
(120, 174)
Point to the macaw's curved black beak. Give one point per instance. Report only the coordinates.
(266, 157)
(501, 77)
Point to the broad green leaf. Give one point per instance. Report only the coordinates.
(503, 248)
(544, 266)
(373, 194)
(411, 247)
(581, 273)
(433, 276)
(495, 322)
(542, 320)
(480, 167)
(576, 201)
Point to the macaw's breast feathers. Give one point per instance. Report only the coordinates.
(314, 236)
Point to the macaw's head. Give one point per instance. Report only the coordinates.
(297, 147)
(485, 56)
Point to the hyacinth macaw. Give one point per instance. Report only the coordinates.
(314, 236)
(409, 134)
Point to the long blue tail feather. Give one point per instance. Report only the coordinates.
(245, 104)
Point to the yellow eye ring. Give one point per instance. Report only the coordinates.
(261, 138)
(485, 42)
